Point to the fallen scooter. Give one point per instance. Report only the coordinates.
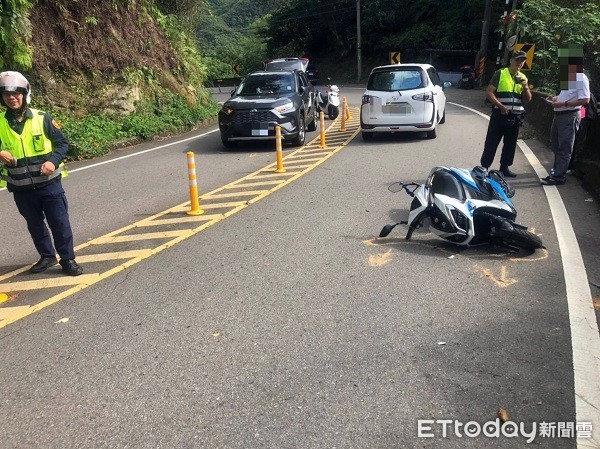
(329, 104)
(466, 207)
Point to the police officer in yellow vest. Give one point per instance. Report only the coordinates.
(507, 91)
(31, 152)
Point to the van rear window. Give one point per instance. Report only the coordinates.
(395, 80)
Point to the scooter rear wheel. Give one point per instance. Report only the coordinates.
(333, 112)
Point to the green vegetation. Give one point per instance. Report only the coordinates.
(551, 27)
(85, 63)
(227, 35)
(154, 72)
(95, 134)
(321, 29)
(15, 33)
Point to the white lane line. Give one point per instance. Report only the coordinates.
(585, 337)
(160, 147)
(485, 116)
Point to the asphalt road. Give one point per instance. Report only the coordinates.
(289, 324)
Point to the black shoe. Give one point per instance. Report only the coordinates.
(43, 264)
(553, 182)
(71, 267)
(508, 173)
(547, 178)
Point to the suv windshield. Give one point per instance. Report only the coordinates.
(267, 84)
(394, 80)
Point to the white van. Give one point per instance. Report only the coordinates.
(403, 98)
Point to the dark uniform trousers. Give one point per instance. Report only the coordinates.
(50, 202)
(500, 126)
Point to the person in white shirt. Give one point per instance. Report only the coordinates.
(575, 93)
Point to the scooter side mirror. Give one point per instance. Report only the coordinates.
(396, 187)
(387, 229)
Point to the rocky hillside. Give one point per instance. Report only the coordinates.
(104, 55)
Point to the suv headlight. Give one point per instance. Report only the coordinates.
(226, 110)
(286, 107)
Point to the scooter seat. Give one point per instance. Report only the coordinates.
(445, 183)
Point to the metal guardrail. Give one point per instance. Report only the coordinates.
(223, 82)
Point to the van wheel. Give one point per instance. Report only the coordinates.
(432, 134)
(367, 136)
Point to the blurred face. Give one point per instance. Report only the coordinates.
(518, 63)
(14, 100)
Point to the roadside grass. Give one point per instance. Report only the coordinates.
(94, 135)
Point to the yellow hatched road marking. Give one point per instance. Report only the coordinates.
(300, 166)
(306, 159)
(252, 184)
(262, 177)
(187, 219)
(62, 281)
(234, 194)
(136, 237)
(274, 175)
(114, 255)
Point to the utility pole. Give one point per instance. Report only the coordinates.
(505, 58)
(358, 49)
(485, 36)
(508, 9)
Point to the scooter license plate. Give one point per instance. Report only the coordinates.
(465, 79)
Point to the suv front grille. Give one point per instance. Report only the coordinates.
(253, 117)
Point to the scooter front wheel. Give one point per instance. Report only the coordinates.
(519, 237)
(333, 112)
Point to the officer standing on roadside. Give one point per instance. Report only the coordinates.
(508, 91)
(31, 152)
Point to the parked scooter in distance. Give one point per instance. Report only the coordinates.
(468, 77)
(330, 104)
(466, 207)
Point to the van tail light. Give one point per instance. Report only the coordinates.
(367, 99)
(427, 96)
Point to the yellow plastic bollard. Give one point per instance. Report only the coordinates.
(322, 130)
(278, 150)
(347, 110)
(343, 127)
(194, 200)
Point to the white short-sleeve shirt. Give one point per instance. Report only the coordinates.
(577, 90)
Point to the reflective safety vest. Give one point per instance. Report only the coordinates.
(509, 92)
(30, 149)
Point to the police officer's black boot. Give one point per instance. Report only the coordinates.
(507, 172)
(71, 268)
(43, 264)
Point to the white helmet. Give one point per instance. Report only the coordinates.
(15, 82)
